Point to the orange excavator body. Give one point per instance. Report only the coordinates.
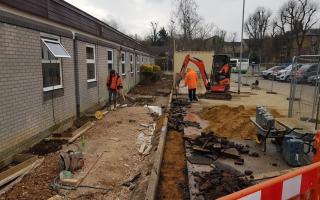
(219, 83)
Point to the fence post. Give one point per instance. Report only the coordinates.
(292, 88)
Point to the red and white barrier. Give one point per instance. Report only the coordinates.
(294, 184)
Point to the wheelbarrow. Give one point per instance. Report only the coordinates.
(277, 132)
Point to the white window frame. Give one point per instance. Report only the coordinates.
(123, 62)
(92, 61)
(131, 58)
(45, 40)
(138, 63)
(109, 61)
(44, 61)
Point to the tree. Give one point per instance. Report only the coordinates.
(162, 36)
(256, 27)
(232, 38)
(154, 33)
(187, 18)
(172, 28)
(205, 30)
(218, 40)
(299, 15)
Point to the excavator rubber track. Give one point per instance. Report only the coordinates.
(218, 96)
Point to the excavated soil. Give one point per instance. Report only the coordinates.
(46, 147)
(173, 178)
(35, 185)
(232, 122)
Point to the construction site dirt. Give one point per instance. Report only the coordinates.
(115, 137)
(232, 122)
(173, 183)
(110, 147)
(36, 184)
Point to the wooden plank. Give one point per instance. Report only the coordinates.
(81, 130)
(19, 158)
(70, 181)
(35, 7)
(64, 15)
(16, 171)
(56, 197)
(273, 174)
(10, 185)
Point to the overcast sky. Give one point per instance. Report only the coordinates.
(134, 16)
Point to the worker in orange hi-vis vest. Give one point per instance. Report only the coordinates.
(114, 85)
(191, 80)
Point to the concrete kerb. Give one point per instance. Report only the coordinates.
(155, 171)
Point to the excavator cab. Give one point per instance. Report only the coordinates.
(220, 74)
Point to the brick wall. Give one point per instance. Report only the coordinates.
(24, 113)
(102, 71)
(88, 94)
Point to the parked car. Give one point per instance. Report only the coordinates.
(313, 79)
(285, 74)
(267, 73)
(275, 71)
(306, 71)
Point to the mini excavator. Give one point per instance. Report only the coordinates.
(218, 86)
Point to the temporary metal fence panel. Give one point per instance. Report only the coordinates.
(304, 88)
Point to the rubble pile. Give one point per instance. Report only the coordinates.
(220, 181)
(213, 147)
(177, 114)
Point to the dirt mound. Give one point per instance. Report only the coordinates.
(36, 184)
(232, 122)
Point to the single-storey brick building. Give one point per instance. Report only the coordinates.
(54, 62)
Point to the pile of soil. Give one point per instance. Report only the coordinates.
(35, 185)
(232, 122)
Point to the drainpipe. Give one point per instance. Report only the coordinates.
(76, 75)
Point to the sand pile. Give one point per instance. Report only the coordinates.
(232, 122)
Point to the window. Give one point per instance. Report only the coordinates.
(142, 59)
(138, 63)
(110, 60)
(91, 63)
(131, 63)
(51, 65)
(56, 49)
(123, 63)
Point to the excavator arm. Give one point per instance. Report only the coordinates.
(199, 63)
